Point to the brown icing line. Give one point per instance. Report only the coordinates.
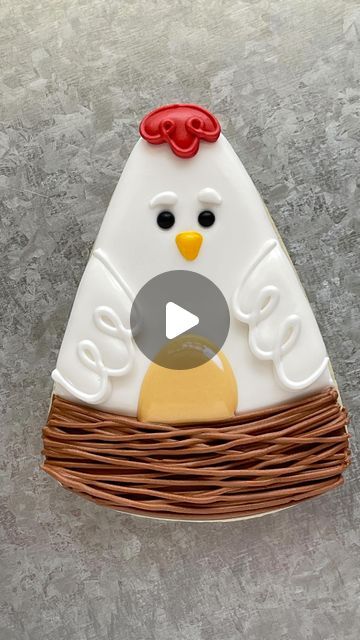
(246, 465)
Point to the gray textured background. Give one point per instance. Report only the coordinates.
(76, 77)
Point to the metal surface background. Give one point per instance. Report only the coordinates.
(76, 77)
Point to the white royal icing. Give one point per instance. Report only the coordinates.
(274, 345)
(107, 322)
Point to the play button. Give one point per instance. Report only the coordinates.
(179, 319)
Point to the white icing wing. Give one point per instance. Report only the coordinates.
(282, 326)
(97, 346)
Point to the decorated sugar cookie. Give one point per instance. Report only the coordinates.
(192, 381)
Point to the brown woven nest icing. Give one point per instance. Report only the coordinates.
(244, 466)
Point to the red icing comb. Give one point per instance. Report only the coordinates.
(182, 126)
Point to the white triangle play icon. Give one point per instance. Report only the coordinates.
(178, 320)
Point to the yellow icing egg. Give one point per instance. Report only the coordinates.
(178, 394)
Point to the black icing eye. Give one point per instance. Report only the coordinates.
(165, 219)
(206, 218)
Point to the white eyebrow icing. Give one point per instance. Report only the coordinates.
(164, 198)
(210, 196)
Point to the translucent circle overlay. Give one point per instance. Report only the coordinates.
(192, 292)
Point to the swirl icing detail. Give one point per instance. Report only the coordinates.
(287, 334)
(107, 322)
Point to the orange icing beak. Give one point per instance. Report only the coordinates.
(189, 243)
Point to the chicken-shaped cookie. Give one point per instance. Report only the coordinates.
(231, 410)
